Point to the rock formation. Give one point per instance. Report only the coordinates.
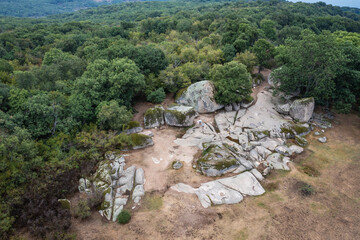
(180, 116)
(200, 96)
(302, 109)
(116, 183)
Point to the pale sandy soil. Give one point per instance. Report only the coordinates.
(282, 213)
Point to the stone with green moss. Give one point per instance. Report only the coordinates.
(65, 203)
(301, 141)
(140, 141)
(216, 160)
(180, 116)
(154, 117)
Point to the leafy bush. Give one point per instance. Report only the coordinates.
(124, 217)
(82, 210)
(156, 96)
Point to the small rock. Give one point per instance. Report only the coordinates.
(228, 108)
(284, 150)
(322, 139)
(139, 176)
(177, 165)
(317, 133)
(301, 141)
(257, 174)
(236, 106)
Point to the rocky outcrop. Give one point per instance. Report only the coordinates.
(226, 190)
(116, 184)
(243, 142)
(180, 116)
(154, 117)
(200, 96)
(283, 108)
(302, 109)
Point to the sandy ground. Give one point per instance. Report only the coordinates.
(333, 212)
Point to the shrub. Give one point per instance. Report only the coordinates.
(157, 96)
(82, 210)
(124, 217)
(306, 189)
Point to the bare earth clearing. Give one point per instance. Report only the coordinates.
(281, 213)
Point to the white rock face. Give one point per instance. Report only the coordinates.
(302, 109)
(200, 96)
(224, 191)
(116, 185)
(180, 116)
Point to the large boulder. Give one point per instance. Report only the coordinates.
(302, 109)
(154, 117)
(180, 116)
(200, 95)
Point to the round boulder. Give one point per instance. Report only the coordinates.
(200, 96)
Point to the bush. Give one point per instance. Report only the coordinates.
(82, 210)
(157, 96)
(124, 217)
(306, 189)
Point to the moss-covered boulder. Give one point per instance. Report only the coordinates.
(302, 109)
(216, 160)
(200, 96)
(180, 116)
(154, 117)
(301, 141)
(65, 203)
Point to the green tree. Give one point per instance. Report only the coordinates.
(229, 52)
(268, 26)
(104, 80)
(111, 116)
(264, 51)
(232, 82)
(157, 96)
(311, 65)
(248, 59)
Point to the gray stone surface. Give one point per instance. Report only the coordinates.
(200, 95)
(302, 109)
(154, 117)
(283, 108)
(139, 176)
(116, 184)
(177, 165)
(224, 191)
(322, 139)
(180, 116)
(275, 161)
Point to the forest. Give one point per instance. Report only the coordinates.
(66, 79)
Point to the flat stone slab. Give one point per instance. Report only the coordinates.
(226, 190)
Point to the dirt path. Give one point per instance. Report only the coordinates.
(262, 86)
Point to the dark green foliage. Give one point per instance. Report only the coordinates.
(229, 52)
(232, 82)
(124, 217)
(157, 96)
(111, 116)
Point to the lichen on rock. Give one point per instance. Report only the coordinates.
(154, 117)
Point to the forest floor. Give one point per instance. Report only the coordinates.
(332, 212)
